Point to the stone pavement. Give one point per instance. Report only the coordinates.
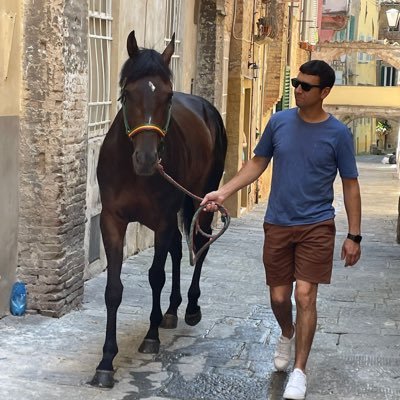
(228, 355)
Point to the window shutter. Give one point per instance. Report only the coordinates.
(286, 89)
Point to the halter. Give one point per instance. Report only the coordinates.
(146, 126)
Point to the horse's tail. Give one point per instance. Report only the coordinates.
(187, 215)
(221, 145)
(220, 149)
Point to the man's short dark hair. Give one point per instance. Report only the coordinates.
(320, 68)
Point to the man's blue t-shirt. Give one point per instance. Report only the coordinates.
(306, 158)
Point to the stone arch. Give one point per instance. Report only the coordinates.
(329, 51)
(347, 119)
(350, 113)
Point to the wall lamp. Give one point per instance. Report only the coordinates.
(254, 67)
(393, 18)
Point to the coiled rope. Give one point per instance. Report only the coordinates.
(195, 225)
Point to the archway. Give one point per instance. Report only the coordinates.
(388, 52)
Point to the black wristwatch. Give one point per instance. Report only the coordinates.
(354, 238)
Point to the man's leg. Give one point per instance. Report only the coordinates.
(313, 261)
(281, 305)
(279, 266)
(278, 257)
(306, 321)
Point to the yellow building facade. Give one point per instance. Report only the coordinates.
(10, 81)
(358, 68)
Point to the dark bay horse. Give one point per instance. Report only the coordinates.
(187, 134)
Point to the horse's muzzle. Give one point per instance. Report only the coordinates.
(145, 163)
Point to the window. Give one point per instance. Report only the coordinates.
(172, 25)
(100, 38)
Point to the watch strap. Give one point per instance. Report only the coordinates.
(354, 238)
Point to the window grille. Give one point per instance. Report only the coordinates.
(100, 37)
(173, 25)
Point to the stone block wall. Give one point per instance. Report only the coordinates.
(53, 154)
(276, 60)
(204, 85)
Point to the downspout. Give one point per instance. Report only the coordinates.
(253, 86)
(304, 19)
(290, 32)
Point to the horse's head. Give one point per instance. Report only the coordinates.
(146, 94)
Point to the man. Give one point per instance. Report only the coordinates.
(308, 146)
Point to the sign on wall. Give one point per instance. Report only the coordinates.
(335, 7)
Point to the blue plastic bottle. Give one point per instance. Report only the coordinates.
(18, 299)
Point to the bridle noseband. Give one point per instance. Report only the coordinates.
(146, 126)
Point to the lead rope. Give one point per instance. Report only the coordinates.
(195, 226)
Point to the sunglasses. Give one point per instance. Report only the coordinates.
(304, 85)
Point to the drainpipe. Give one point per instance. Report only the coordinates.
(290, 33)
(253, 87)
(304, 21)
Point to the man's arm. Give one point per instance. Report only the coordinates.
(351, 250)
(246, 175)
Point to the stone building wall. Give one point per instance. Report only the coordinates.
(277, 58)
(204, 84)
(243, 98)
(53, 154)
(213, 51)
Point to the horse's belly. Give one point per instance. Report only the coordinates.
(151, 214)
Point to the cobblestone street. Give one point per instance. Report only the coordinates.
(228, 355)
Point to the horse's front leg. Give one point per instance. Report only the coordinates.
(193, 310)
(151, 342)
(170, 320)
(113, 231)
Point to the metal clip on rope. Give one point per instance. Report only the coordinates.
(195, 226)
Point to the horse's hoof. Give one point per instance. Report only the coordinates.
(151, 346)
(103, 379)
(169, 321)
(193, 319)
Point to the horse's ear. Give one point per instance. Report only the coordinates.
(169, 50)
(131, 45)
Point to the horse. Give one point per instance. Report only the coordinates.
(185, 134)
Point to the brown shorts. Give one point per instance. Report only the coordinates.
(302, 252)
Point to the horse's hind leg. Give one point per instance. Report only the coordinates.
(113, 231)
(170, 320)
(193, 310)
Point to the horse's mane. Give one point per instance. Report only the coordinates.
(146, 62)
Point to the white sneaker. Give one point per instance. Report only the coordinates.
(296, 386)
(283, 352)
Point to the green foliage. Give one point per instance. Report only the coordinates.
(383, 127)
